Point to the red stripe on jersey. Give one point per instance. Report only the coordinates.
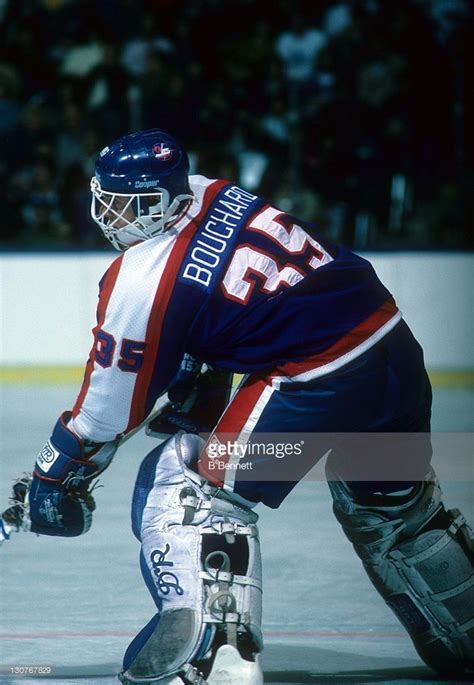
(231, 425)
(108, 284)
(242, 405)
(344, 345)
(160, 305)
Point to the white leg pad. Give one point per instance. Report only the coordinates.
(203, 554)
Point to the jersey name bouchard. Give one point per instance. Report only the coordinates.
(212, 243)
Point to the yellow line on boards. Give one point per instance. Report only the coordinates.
(47, 375)
(65, 375)
(451, 378)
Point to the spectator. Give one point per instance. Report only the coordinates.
(138, 47)
(69, 145)
(107, 96)
(83, 56)
(42, 219)
(341, 91)
(10, 110)
(298, 48)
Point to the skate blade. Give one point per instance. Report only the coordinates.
(230, 669)
(169, 680)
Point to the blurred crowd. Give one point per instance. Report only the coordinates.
(351, 114)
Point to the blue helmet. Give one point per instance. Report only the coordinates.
(140, 187)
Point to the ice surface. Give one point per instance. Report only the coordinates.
(75, 604)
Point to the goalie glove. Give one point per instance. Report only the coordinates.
(60, 497)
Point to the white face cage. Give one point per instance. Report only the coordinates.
(126, 219)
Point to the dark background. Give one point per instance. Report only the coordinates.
(359, 126)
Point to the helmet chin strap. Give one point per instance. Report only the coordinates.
(125, 237)
(169, 216)
(144, 227)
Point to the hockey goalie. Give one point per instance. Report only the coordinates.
(212, 280)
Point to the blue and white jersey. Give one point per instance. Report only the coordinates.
(236, 283)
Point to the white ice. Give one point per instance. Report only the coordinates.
(75, 604)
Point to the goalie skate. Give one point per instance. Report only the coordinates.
(230, 668)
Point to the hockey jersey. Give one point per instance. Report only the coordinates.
(236, 283)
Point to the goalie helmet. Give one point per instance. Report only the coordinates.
(140, 187)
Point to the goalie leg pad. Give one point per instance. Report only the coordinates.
(201, 562)
(420, 559)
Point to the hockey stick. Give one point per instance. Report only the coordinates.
(12, 517)
(159, 405)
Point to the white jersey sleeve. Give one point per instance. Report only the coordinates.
(115, 394)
